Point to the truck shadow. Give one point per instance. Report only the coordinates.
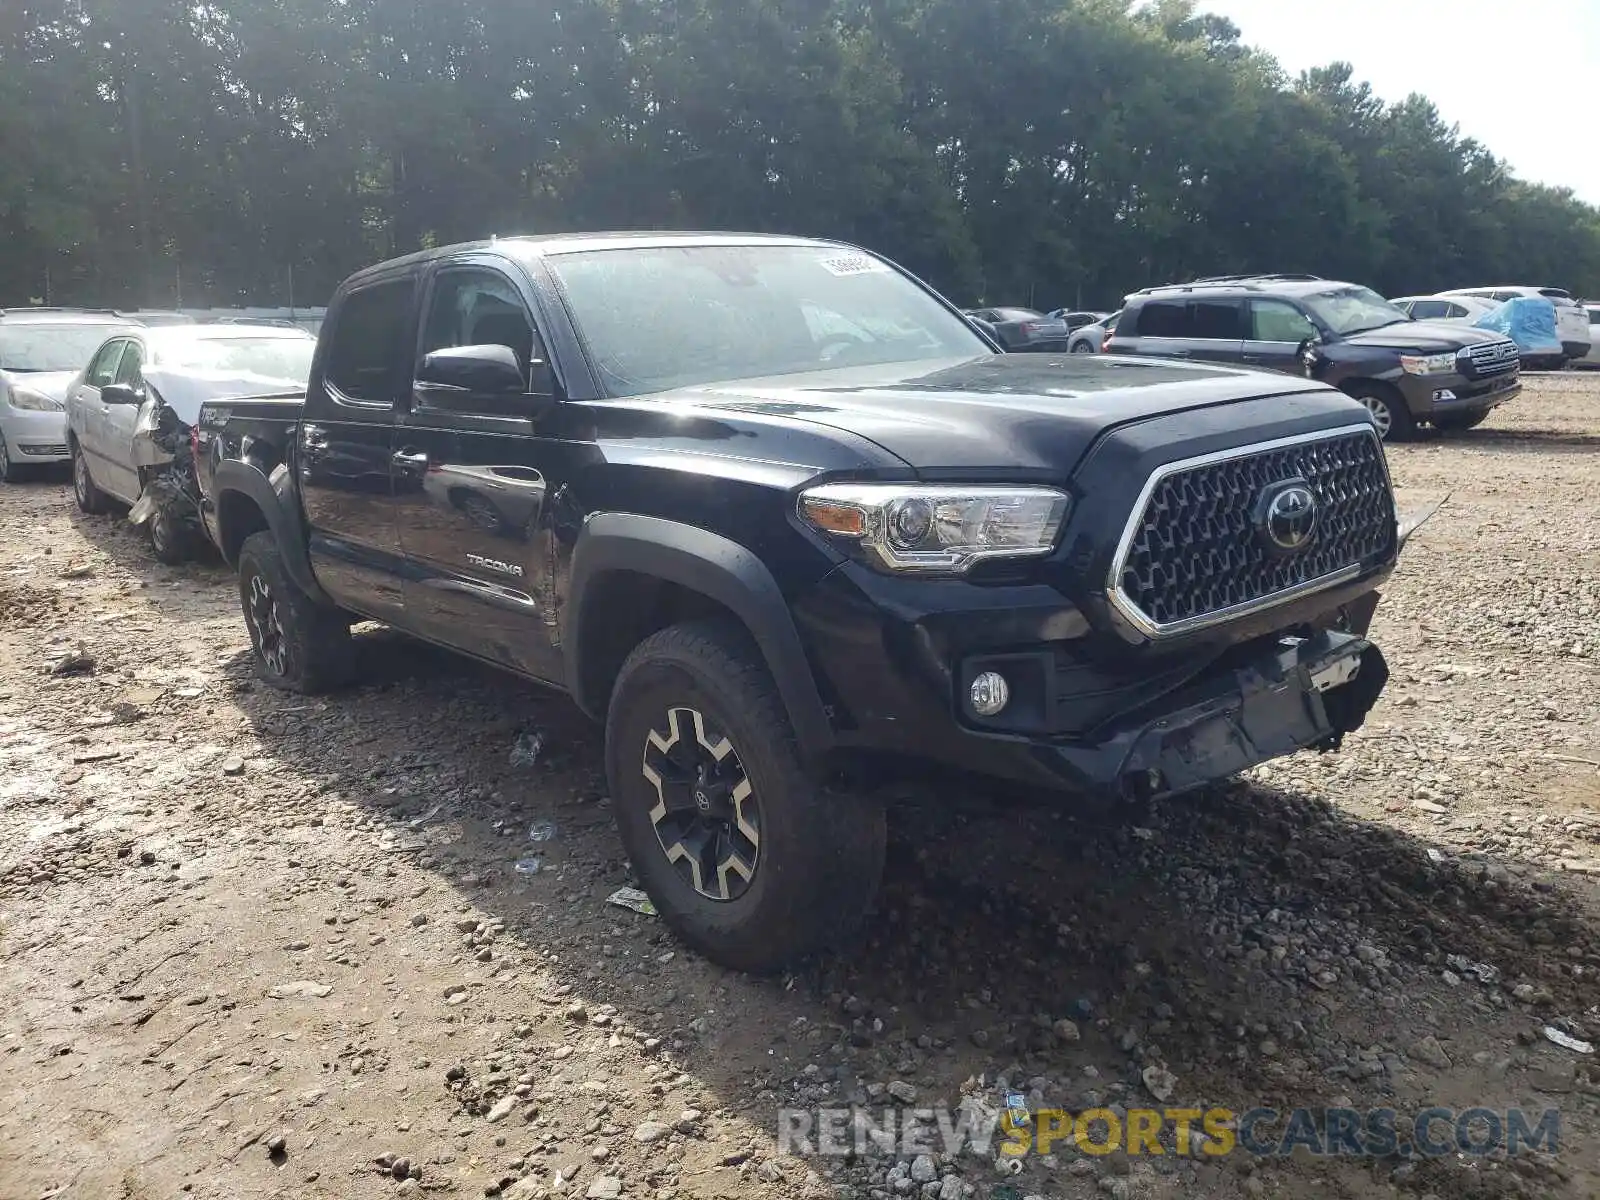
(1252, 940)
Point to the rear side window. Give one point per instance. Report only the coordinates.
(1594, 316)
(1427, 310)
(369, 358)
(1161, 318)
(1217, 319)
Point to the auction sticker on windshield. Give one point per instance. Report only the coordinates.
(853, 264)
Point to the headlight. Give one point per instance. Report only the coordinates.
(936, 528)
(1429, 364)
(22, 397)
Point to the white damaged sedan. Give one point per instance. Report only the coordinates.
(129, 415)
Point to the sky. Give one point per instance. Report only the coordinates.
(1517, 75)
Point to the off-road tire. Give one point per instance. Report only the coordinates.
(821, 853)
(296, 644)
(90, 499)
(1400, 425)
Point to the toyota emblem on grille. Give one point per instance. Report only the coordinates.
(1286, 516)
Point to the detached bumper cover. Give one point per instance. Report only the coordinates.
(1307, 693)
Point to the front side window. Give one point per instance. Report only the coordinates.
(132, 362)
(103, 371)
(474, 306)
(1279, 321)
(29, 347)
(1350, 310)
(659, 317)
(370, 355)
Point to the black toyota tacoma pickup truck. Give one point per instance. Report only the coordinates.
(773, 510)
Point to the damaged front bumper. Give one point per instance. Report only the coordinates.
(1303, 693)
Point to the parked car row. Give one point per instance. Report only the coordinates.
(775, 514)
(120, 399)
(1569, 337)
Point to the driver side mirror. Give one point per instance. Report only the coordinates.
(485, 378)
(121, 393)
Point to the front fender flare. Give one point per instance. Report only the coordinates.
(716, 567)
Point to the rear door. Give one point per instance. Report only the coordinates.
(345, 440)
(471, 483)
(1216, 330)
(1277, 331)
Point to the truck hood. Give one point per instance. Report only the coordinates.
(1032, 413)
(49, 383)
(1425, 337)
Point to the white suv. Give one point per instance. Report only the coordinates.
(1572, 321)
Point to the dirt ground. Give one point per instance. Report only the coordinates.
(257, 945)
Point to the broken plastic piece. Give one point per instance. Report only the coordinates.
(1567, 1042)
(530, 864)
(529, 745)
(1482, 972)
(632, 898)
(542, 830)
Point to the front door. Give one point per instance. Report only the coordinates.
(88, 411)
(1277, 331)
(470, 487)
(121, 475)
(346, 440)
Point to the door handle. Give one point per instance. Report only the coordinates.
(1253, 358)
(1181, 353)
(410, 458)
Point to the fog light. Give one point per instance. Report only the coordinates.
(990, 694)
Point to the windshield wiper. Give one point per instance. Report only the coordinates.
(1379, 325)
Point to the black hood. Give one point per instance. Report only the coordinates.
(1424, 337)
(1032, 413)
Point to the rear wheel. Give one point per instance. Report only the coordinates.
(298, 644)
(90, 498)
(745, 856)
(1388, 409)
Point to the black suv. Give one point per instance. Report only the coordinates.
(777, 515)
(1406, 372)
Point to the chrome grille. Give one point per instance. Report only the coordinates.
(1493, 358)
(1191, 555)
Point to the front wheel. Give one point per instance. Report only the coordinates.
(172, 540)
(9, 471)
(297, 644)
(745, 856)
(1082, 348)
(1389, 412)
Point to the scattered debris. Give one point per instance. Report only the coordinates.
(78, 662)
(542, 830)
(1160, 1082)
(300, 989)
(1567, 1042)
(528, 747)
(634, 899)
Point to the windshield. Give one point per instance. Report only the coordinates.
(1352, 309)
(279, 358)
(655, 318)
(43, 347)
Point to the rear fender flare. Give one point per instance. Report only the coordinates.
(275, 496)
(724, 571)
